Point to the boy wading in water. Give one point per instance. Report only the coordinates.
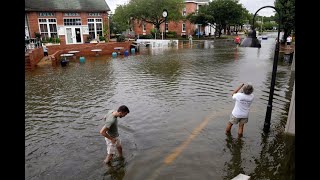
(240, 112)
(110, 132)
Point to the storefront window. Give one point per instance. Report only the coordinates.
(48, 28)
(95, 27)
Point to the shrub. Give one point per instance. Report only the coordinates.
(171, 34)
(148, 36)
(121, 38)
(102, 38)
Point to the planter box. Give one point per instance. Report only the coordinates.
(51, 44)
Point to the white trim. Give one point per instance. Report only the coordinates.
(184, 27)
(95, 25)
(47, 23)
(72, 34)
(72, 18)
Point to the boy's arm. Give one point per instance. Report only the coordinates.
(236, 90)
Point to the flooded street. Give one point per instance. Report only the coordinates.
(180, 102)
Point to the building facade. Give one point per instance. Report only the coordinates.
(182, 28)
(69, 21)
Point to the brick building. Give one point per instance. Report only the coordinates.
(72, 21)
(182, 27)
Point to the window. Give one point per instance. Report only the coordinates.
(184, 12)
(183, 27)
(48, 28)
(72, 22)
(95, 27)
(144, 26)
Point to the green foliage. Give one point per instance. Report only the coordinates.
(37, 35)
(221, 12)
(120, 21)
(148, 36)
(121, 38)
(101, 38)
(50, 40)
(153, 33)
(287, 11)
(171, 34)
(106, 31)
(150, 11)
(89, 38)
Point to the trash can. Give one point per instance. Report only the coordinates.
(126, 53)
(133, 50)
(82, 59)
(114, 54)
(288, 57)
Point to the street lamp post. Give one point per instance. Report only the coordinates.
(165, 15)
(252, 41)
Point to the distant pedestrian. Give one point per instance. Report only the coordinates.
(110, 132)
(289, 40)
(45, 50)
(237, 40)
(240, 112)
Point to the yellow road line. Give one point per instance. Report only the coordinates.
(171, 157)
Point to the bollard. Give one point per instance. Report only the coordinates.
(114, 54)
(126, 53)
(133, 50)
(82, 59)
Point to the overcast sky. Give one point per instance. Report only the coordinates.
(251, 5)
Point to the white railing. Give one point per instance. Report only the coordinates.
(32, 43)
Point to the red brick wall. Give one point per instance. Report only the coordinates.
(34, 26)
(172, 26)
(35, 56)
(85, 50)
(33, 23)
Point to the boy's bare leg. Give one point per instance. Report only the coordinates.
(119, 148)
(228, 128)
(240, 130)
(108, 158)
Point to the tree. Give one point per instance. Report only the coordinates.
(150, 11)
(119, 21)
(221, 12)
(201, 17)
(287, 11)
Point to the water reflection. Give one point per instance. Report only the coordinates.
(116, 171)
(234, 165)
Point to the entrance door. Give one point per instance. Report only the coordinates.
(74, 35)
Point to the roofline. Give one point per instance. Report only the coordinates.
(64, 10)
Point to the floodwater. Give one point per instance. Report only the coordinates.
(179, 101)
